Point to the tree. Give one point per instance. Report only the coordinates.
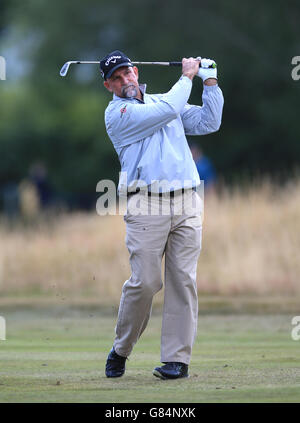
(61, 120)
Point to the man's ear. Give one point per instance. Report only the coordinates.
(106, 84)
(136, 71)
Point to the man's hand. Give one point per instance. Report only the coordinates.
(206, 73)
(190, 67)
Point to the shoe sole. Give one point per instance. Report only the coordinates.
(160, 376)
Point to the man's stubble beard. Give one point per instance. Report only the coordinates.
(129, 91)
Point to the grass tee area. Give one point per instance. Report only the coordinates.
(60, 286)
(58, 355)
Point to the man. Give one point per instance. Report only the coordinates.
(206, 170)
(148, 134)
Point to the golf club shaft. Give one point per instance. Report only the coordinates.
(66, 66)
(78, 62)
(158, 63)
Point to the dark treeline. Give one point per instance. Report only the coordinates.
(59, 121)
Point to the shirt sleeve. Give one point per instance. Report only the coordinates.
(205, 119)
(128, 121)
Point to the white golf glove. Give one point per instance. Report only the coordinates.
(205, 71)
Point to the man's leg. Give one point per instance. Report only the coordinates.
(146, 237)
(180, 311)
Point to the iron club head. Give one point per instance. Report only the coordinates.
(64, 69)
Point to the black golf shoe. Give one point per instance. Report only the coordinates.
(115, 364)
(171, 370)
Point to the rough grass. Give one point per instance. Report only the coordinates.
(60, 357)
(251, 245)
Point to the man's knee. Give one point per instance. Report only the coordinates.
(152, 288)
(144, 287)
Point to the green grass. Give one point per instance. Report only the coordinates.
(59, 356)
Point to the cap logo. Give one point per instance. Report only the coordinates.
(112, 59)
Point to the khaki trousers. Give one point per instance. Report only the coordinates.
(177, 234)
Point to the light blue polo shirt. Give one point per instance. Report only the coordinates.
(149, 136)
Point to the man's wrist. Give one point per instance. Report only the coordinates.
(191, 77)
(210, 81)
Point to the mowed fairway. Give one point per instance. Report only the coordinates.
(59, 356)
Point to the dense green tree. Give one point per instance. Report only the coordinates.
(60, 120)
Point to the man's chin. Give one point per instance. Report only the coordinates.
(129, 92)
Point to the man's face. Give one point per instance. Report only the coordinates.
(124, 82)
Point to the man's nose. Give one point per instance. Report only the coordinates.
(125, 80)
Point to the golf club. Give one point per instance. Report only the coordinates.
(65, 68)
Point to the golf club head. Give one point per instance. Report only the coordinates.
(64, 69)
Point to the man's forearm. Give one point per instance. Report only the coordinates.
(205, 119)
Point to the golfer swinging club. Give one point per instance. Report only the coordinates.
(148, 132)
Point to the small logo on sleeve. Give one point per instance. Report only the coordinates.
(123, 110)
